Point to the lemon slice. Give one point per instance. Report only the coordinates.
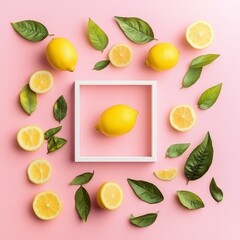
(182, 117)
(46, 205)
(166, 174)
(41, 81)
(109, 196)
(199, 34)
(39, 171)
(30, 138)
(120, 55)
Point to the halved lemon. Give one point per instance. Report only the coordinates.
(166, 174)
(182, 117)
(30, 138)
(199, 34)
(47, 205)
(41, 81)
(120, 55)
(109, 196)
(39, 171)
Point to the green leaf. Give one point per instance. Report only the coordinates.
(215, 191)
(209, 97)
(143, 220)
(51, 132)
(190, 200)
(146, 191)
(82, 179)
(82, 203)
(177, 150)
(191, 76)
(28, 99)
(101, 65)
(60, 109)
(97, 36)
(135, 29)
(199, 160)
(203, 60)
(55, 143)
(31, 30)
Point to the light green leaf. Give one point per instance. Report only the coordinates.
(209, 97)
(135, 29)
(191, 76)
(199, 160)
(215, 191)
(203, 60)
(82, 178)
(101, 65)
(97, 36)
(177, 150)
(28, 99)
(146, 191)
(143, 220)
(82, 203)
(31, 30)
(190, 200)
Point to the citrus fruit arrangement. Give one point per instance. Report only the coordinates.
(62, 55)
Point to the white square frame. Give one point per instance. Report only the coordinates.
(152, 157)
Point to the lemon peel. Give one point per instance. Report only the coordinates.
(117, 120)
(162, 56)
(62, 54)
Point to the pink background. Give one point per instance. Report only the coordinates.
(169, 20)
(94, 100)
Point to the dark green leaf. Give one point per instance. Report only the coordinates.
(31, 30)
(215, 191)
(203, 60)
(82, 203)
(82, 179)
(146, 191)
(28, 99)
(135, 29)
(97, 36)
(101, 65)
(209, 97)
(60, 109)
(177, 150)
(191, 76)
(51, 132)
(143, 220)
(190, 200)
(199, 160)
(55, 143)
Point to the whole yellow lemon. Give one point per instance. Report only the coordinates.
(117, 120)
(61, 54)
(162, 56)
